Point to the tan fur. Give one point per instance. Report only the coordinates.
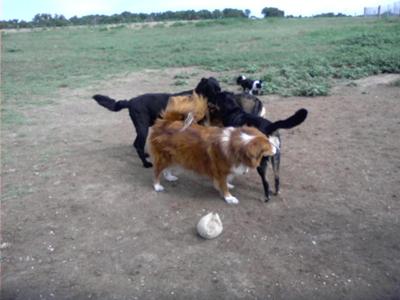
(193, 103)
(201, 149)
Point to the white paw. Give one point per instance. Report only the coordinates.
(158, 187)
(231, 200)
(230, 186)
(169, 177)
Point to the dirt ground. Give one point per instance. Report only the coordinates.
(80, 219)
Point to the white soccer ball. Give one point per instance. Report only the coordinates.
(209, 226)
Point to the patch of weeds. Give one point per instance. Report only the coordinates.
(227, 79)
(396, 83)
(312, 90)
(118, 27)
(218, 68)
(13, 50)
(352, 84)
(251, 69)
(11, 117)
(180, 82)
(13, 192)
(270, 88)
(182, 76)
(178, 24)
(159, 25)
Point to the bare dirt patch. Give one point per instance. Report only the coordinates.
(80, 219)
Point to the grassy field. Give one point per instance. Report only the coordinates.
(294, 56)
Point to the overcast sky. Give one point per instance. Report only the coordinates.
(27, 9)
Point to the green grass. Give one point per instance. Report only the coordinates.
(293, 56)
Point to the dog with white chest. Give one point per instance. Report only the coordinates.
(218, 153)
(250, 86)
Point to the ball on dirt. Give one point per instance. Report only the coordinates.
(209, 226)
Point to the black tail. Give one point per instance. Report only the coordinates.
(290, 122)
(110, 103)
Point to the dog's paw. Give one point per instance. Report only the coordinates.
(158, 187)
(231, 200)
(169, 177)
(147, 164)
(230, 186)
(264, 199)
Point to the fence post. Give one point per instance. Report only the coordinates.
(379, 11)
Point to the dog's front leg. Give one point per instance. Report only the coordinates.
(222, 185)
(262, 170)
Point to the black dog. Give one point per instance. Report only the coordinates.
(249, 86)
(145, 109)
(233, 115)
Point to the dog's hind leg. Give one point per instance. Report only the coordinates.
(275, 161)
(142, 129)
(159, 166)
(262, 171)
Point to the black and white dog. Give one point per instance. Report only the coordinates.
(232, 114)
(250, 86)
(145, 109)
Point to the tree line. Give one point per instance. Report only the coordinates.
(48, 20)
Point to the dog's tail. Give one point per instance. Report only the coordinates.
(240, 79)
(171, 116)
(110, 103)
(288, 123)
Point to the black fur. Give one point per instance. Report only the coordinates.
(145, 109)
(233, 115)
(249, 86)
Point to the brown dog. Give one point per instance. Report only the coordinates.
(215, 152)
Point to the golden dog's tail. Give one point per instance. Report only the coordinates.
(172, 116)
(194, 103)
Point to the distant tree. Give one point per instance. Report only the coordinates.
(233, 13)
(217, 14)
(272, 12)
(204, 14)
(329, 15)
(247, 12)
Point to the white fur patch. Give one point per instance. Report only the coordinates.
(158, 187)
(226, 134)
(263, 112)
(275, 143)
(168, 176)
(240, 169)
(188, 121)
(231, 200)
(246, 138)
(254, 86)
(226, 138)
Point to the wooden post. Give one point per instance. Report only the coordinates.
(379, 11)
